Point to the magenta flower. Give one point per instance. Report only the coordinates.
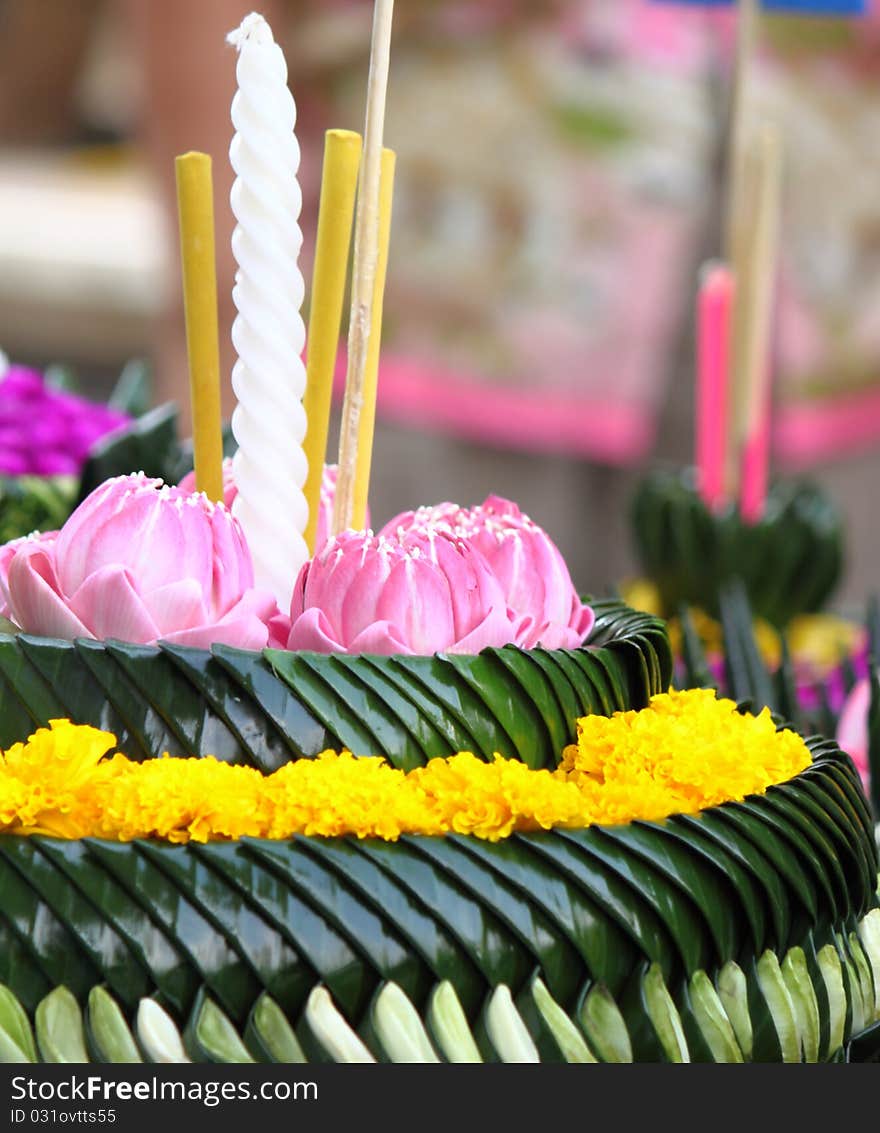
(328, 494)
(529, 566)
(141, 562)
(422, 593)
(852, 728)
(45, 431)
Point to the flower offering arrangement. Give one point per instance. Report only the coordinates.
(276, 787)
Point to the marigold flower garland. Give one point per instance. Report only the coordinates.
(686, 751)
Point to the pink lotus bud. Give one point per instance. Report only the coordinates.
(7, 554)
(142, 562)
(527, 563)
(328, 494)
(423, 593)
(852, 727)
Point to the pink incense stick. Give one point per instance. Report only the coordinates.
(714, 313)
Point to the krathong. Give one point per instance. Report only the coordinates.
(472, 847)
(686, 751)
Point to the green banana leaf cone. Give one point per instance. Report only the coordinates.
(790, 561)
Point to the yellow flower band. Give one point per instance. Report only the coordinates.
(685, 752)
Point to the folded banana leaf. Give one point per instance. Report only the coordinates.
(598, 908)
(34, 503)
(747, 677)
(785, 999)
(790, 561)
(269, 708)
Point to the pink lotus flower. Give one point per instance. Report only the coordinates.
(328, 494)
(420, 594)
(141, 561)
(852, 728)
(7, 553)
(528, 564)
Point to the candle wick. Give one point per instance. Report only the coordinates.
(252, 29)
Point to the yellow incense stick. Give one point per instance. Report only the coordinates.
(366, 258)
(738, 123)
(371, 371)
(342, 153)
(743, 308)
(195, 204)
(764, 247)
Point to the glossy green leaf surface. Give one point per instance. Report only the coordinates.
(268, 708)
(579, 908)
(789, 562)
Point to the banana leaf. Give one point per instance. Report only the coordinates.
(34, 503)
(268, 708)
(237, 920)
(789, 562)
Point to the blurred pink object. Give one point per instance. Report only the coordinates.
(328, 494)
(590, 388)
(852, 727)
(755, 471)
(421, 593)
(141, 561)
(667, 36)
(714, 310)
(527, 563)
(7, 553)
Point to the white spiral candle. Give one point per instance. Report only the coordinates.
(269, 378)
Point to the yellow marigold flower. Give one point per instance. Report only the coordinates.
(686, 751)
(50, 783)
(341, 794)
(180, 800)
(491, 800)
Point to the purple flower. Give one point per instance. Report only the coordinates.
(48, 432)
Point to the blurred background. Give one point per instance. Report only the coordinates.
(560, 179)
